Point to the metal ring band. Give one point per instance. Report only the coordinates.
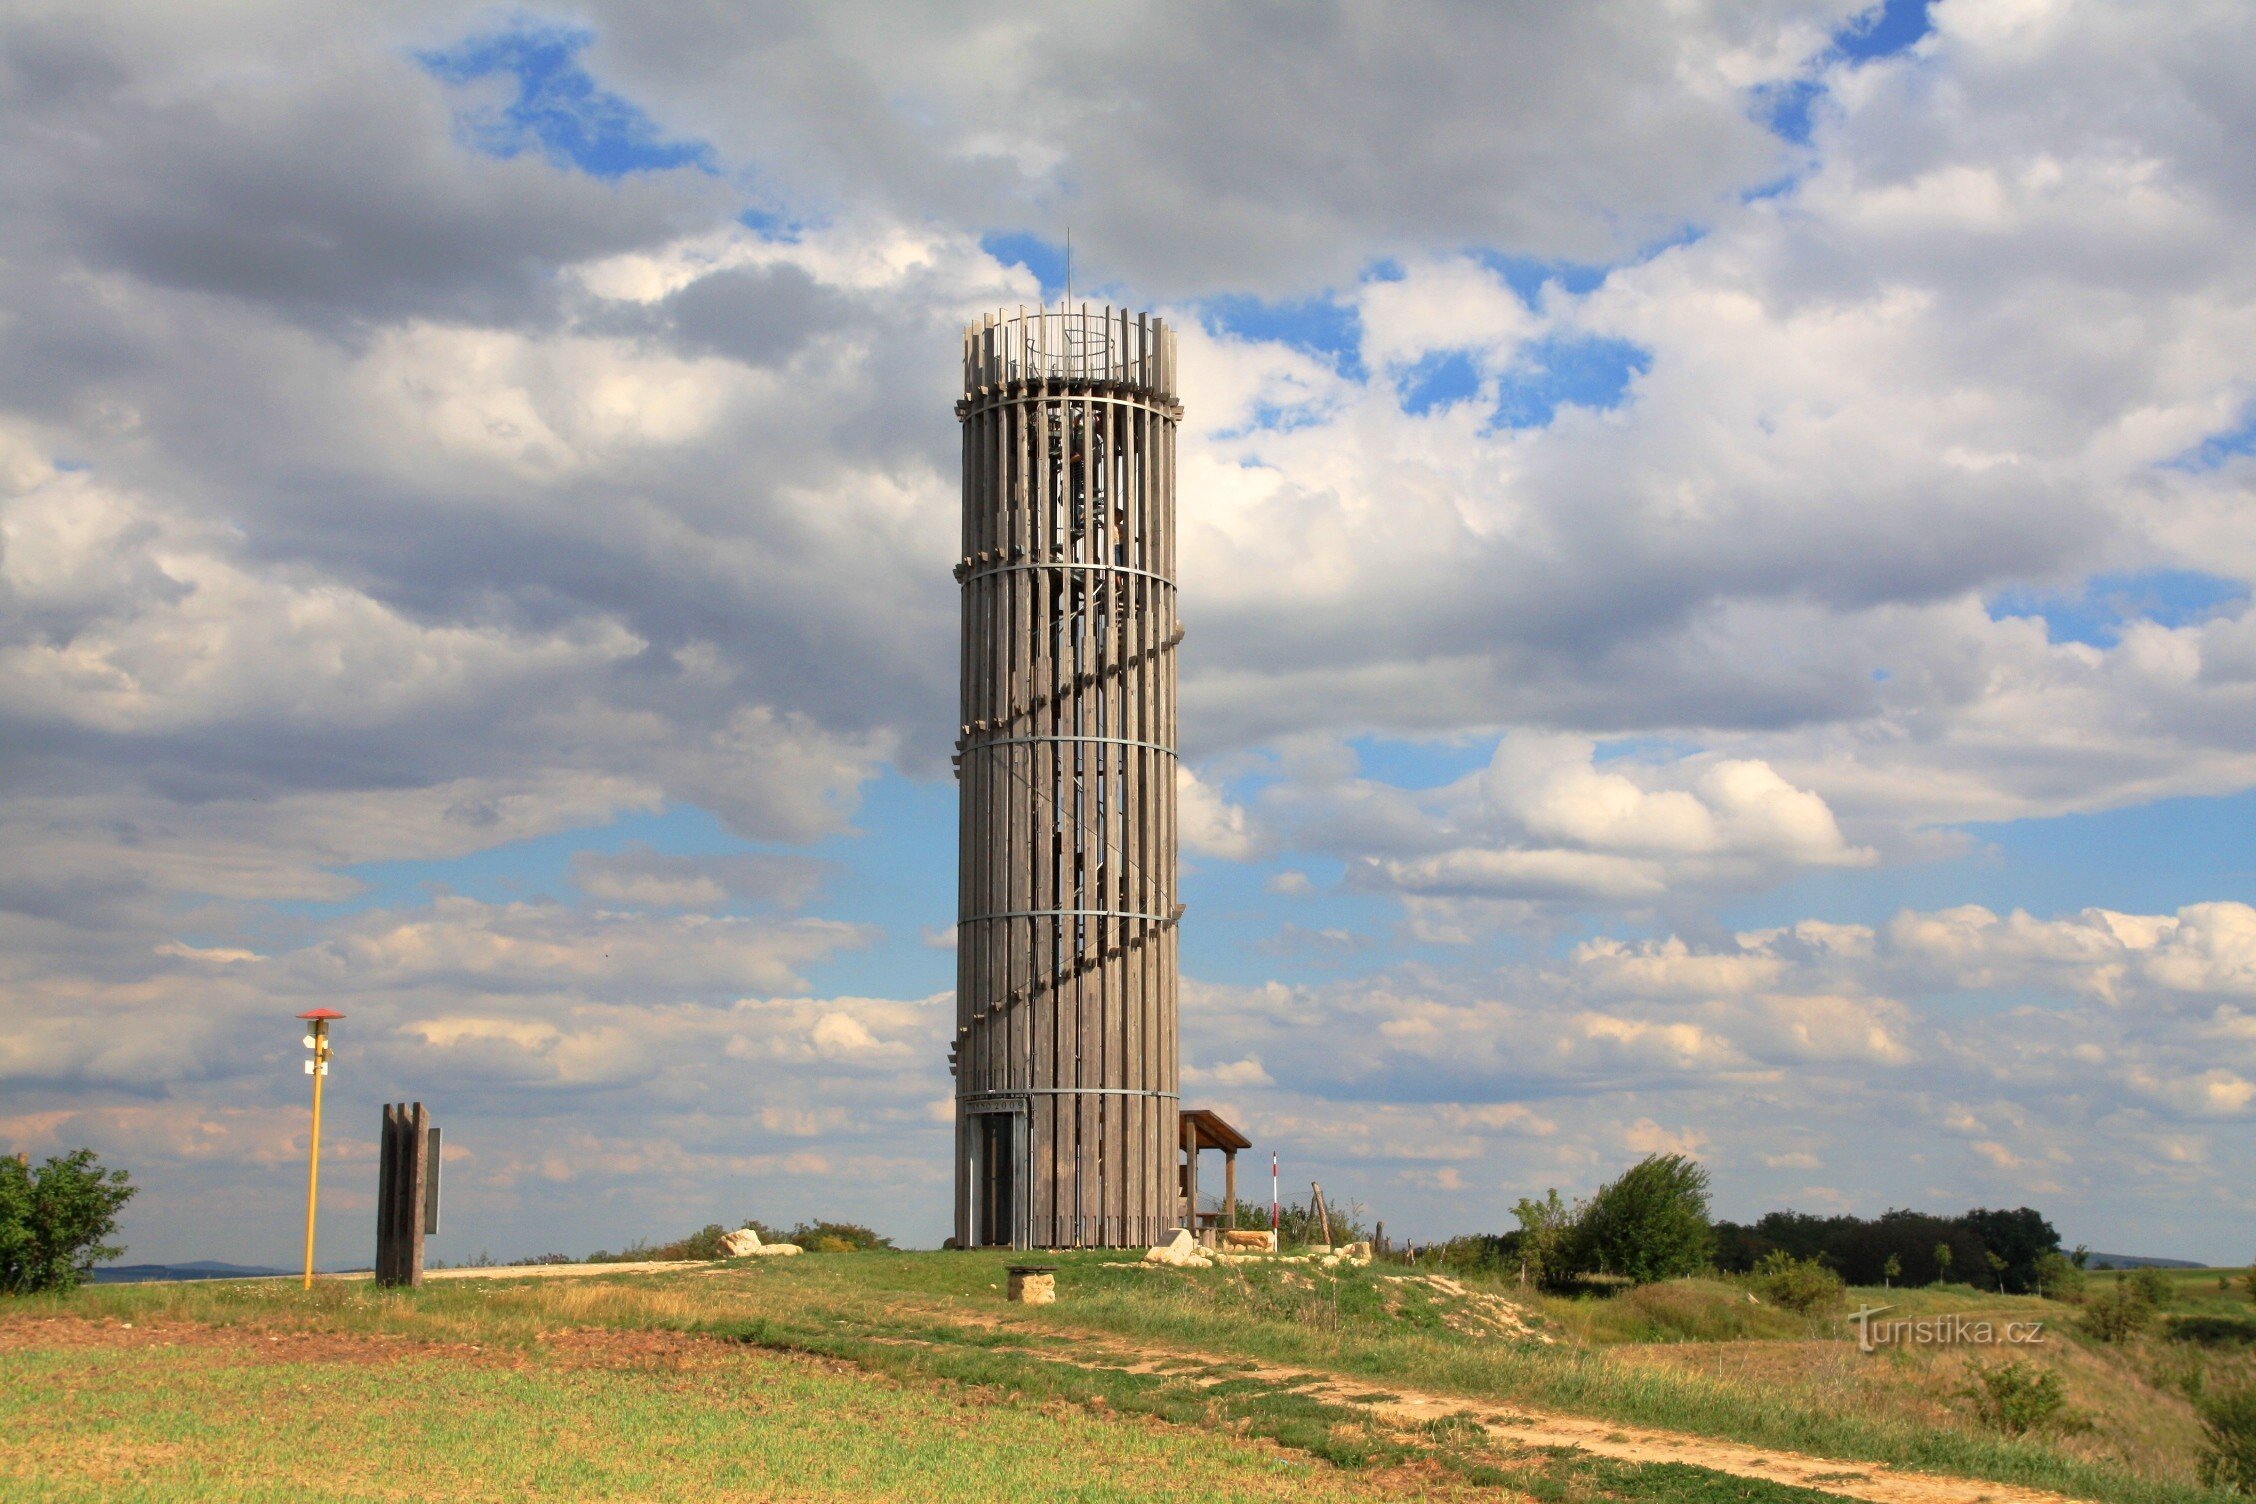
(993, 397)
(993, 569)
(975, 745)
(1066, 1091)
(1066, 914)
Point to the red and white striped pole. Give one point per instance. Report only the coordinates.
(1273, 1219)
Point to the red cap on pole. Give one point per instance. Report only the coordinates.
(323, 1014)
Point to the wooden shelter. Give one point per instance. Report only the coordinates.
(1065, 1053)
(1205, 1129)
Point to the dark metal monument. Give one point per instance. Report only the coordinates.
(1065, 1053)
(407, 1193)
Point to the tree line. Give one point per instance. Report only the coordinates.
(2015, 1251)
(1652, 1223)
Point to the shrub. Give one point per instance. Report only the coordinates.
(2122, 1313)
(2058, 1277)
(2154, 1287)
(2248, 1281)
(53, 1220)
(2013, 1397)
(1297, 1222)
(2212, 1331)
(1803, 1285)
(835, 1237)
(2228, 1441)
(1652, 1223)
(705, 1243)
(1476, 1253)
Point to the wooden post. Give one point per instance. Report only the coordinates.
(1316, 1194)
(1190, 1176)
(1229, 1187)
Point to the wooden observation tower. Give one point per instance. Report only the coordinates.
(1065, 1054)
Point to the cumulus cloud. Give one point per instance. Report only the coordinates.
(1546, 824)
(1775, 1052)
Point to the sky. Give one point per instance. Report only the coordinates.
(1716, 541)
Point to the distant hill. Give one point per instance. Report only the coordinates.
(133, 1274)
(2134, 1261)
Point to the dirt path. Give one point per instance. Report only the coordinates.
(1519, 1426)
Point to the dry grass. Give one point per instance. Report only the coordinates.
(183, 1413)
(1693, 1356)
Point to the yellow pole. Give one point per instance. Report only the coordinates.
(313, 1160)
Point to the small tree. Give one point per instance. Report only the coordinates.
(2153, 1287)
(2248, 1281)
(1892, 1270)
(1942, 1263)
(1652, 1223)
(1997, 1270)
(2059, 1277)
(2126, 1311)
(53, 1220)
(1546, 1240)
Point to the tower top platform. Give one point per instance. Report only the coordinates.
(1071, 344)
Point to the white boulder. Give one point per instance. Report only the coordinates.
(1180, 1250)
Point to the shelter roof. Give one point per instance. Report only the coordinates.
(1212, 1132)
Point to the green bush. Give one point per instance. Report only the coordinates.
(1803, 1285)
(2122, 1313)
(2228, 1443)
(1652, 1223)
(835, 1237)
(2153, 1287)
(53, 1220)
(2212, 1331)
(2013, 1397)
(2059, 1277)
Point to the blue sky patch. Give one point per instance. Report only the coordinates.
(1324, 327)
(2107, 603)
(1421, 764)
(1884, 30)
(1588, 372)
(557, 105)
(1527, 277)
(1786, 107)
(1440, 379)
(1044, 258)
(2213, 451)
(1880, 31)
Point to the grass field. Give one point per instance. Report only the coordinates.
(908, 1376)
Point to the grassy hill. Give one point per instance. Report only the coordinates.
(889, 1375)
